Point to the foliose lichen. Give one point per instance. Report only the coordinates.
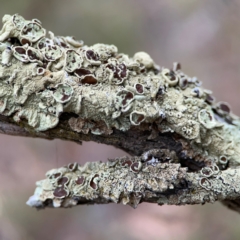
(43, 76)
(118, 180)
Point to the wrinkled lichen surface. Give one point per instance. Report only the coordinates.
(131, 181)
(43, 76)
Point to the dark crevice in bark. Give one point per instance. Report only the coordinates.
(134, 141)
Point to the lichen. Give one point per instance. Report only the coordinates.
(132, 181)
(44, 76)
(117, 180)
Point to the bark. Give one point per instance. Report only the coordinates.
(184, 147)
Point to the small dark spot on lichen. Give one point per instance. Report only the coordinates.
(91, 55)
(127, 163)
(119, 71)
(206, 172)
(139, 88)
(127, 97)
(20, 50)
(56, 175)
(60, 192)
(89, 80)
(205, 183)
(72, 166)
(135, 167)
(92, 183)
(203, 180)
(224, 107)
(223, 160)
(80, 180)
(171, 75)
(183, 82)
(215, 169)
(62, 181)
(82, 72)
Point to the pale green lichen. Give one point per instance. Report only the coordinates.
(133, 180)
(42, 77)
(114, 181)
(106, 86)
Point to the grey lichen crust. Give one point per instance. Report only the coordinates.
(42, 77)
(126, 180)
(132, 181)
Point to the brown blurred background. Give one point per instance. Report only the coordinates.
(204, 36)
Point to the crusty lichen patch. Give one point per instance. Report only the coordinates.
(132, 181)
(125, 180)
(43, 76)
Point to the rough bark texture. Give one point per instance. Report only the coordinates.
(185, 148)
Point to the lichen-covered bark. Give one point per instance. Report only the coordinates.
(132, 181)
(185, 147)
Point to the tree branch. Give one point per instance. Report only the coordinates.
(185, 147)
(132, 181)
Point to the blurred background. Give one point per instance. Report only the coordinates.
(201, 34)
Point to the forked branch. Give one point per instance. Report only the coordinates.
(185, 148)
